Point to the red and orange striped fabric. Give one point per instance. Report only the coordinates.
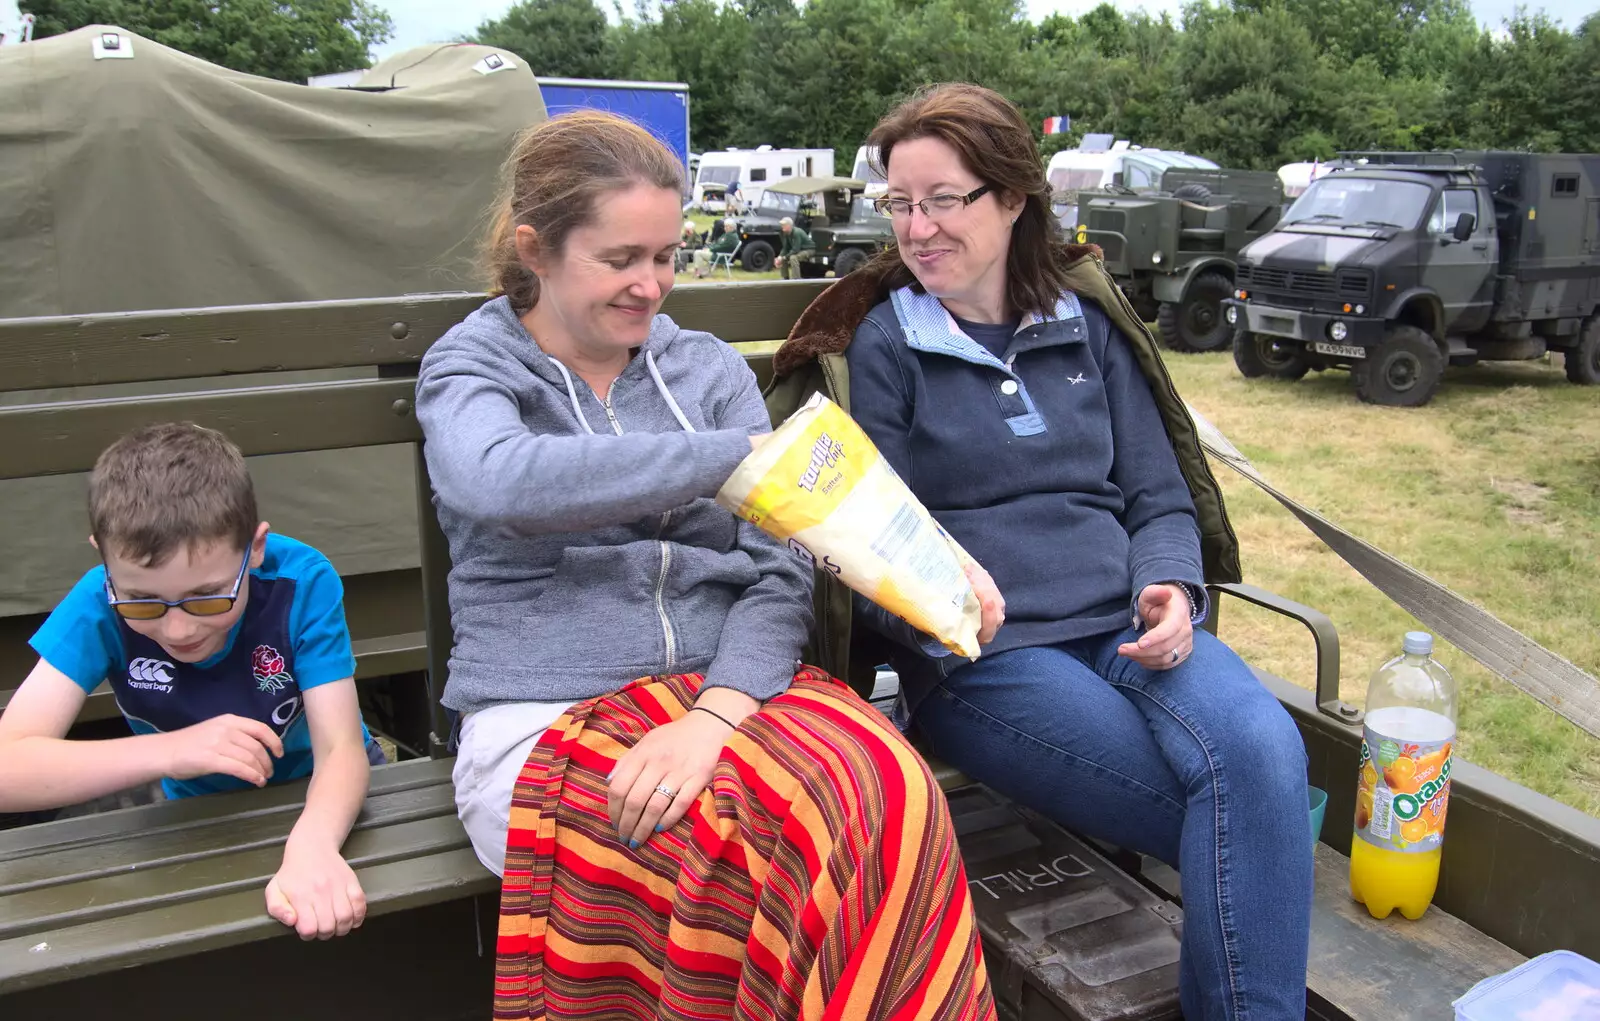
(816, 878)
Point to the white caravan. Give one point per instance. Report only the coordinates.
(864, 171)
(755, 168)
(1097, 161)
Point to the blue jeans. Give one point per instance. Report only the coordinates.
(1198, 766)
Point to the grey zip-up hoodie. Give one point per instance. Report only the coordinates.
(584, 545)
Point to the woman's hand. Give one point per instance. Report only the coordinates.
(1169, 639)
(680, 756)
(989, 598)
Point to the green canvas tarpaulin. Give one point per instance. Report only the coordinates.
(159, 181)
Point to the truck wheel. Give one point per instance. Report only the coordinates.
(1402, 372)
(849, 260)
(1196, 324)
(1583, 361)
(757, 257)
(1259, 354)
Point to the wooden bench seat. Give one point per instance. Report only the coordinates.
(1394, 969)
(120, 889)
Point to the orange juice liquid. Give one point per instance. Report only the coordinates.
(1384, 880)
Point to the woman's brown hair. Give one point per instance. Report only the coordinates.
(987, 131)
(552, 181)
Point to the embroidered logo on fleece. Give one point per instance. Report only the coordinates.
(267, 664)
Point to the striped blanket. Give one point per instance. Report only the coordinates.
(816, 878)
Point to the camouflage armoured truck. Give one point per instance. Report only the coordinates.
(1397, 264)
(1173, 250)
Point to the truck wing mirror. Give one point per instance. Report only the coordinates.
(1466, 223)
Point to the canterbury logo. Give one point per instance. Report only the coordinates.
(151, 671)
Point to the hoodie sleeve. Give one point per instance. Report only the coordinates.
(1164, 539)
(880, 402)
(767, 627)
(486, 463)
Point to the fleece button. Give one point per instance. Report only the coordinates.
(1009, 387)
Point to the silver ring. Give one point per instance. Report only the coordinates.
(1174, 655)
(668, 791)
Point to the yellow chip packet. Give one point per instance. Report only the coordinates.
(819, 484)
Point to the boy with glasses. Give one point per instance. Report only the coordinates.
(227, 651)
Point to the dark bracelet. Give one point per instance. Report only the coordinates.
(719, 716)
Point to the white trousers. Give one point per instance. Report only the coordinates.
(495, 744)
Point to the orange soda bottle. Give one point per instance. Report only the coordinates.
(1409, 733)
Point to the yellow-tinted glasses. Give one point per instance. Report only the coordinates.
(199, 606)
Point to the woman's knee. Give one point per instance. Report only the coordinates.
(1258, 737)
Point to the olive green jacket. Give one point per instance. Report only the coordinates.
(812, 359)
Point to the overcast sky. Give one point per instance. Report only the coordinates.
(417, 22)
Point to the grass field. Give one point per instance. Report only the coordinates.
(1493, 489)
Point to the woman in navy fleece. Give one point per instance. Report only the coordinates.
(1016, 411)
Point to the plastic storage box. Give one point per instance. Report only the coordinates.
(1558, 986)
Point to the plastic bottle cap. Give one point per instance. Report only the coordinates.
(1418, 643)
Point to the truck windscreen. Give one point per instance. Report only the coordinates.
(1360, 201)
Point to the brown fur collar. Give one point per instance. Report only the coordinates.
(829, 322)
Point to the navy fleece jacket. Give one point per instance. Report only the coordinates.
(1049, 465)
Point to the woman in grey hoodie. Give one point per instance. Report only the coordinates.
(642, 755)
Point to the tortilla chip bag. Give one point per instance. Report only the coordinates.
(821, 486)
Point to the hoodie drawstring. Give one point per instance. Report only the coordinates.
(655, 374)
(572, 392)
(661, 385)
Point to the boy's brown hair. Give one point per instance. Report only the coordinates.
(169, 487)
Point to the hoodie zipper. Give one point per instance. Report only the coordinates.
(666, 552)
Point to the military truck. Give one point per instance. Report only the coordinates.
(1173, 250)
(845, 247)
(796, 198)
(1396, 264)
(1099, 163)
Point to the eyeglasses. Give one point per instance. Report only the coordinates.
(198, 606)
(933, 207)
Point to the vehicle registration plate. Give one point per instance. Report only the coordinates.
(1339, 350)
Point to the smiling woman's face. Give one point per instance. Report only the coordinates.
(613, 273)
(960, 255)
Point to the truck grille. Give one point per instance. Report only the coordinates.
(1299, 286)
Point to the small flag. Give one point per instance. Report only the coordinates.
(1056, 125)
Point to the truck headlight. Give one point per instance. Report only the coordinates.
(1155, 258)
(1232, 315)
(1361, 310)
(1337, 331)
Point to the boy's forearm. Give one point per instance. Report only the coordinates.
(38, 773)
(338, 790)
